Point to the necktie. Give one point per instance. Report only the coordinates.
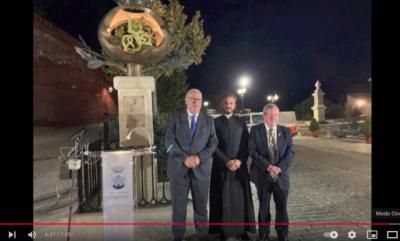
(193, 126)
(271, 143)
(272, 149)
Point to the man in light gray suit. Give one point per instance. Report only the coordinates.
(190, 140)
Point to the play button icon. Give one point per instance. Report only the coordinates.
(12, 235)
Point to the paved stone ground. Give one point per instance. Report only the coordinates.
(329, 187)
(330, 182)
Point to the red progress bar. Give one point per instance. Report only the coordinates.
(193, 224)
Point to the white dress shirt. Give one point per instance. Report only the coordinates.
(190, 117)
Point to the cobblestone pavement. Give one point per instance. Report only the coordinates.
(329, 187)
(326, 186)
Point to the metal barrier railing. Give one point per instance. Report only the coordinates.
(162, 176)
(89, 178)
(155, 200)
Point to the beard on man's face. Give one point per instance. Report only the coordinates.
(228, 110)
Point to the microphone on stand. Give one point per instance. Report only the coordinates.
(78, 134)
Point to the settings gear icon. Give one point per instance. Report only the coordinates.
(351, 234)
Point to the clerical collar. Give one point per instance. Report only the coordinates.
(228, 115)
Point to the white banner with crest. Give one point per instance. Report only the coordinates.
(118, 196)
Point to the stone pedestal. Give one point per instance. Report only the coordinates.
(135, 108)
(318, 107)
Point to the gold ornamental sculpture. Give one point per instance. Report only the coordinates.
(132, 33)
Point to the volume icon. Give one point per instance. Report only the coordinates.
(32, 234)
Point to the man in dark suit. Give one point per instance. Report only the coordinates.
(271, 148)
(190, 140)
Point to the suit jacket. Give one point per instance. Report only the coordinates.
(258, 149)
(181, 145)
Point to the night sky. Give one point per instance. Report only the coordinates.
(284, 45)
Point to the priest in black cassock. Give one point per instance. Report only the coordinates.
(230, 193)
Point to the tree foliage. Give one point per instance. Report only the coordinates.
(188, 40)
(304, 112)
(334, 110)
(303, 109)
(314, 125)
(171, 91)
(366, 127)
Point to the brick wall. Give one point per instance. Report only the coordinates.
(66, 92)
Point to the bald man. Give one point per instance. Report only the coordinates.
(190, 140)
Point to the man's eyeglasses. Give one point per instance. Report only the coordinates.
(195, 99)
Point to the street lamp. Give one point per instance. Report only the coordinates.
(360, 103)
(205, 104)
(244, 81)
(272, 98)
(241, 92)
